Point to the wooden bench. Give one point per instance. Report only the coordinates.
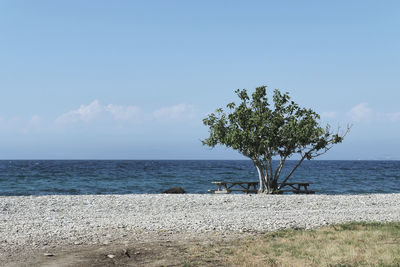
(296, 188)
(228, 187)
(251, 187)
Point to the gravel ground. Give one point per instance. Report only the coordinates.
(30, 223)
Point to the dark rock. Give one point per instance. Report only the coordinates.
(126, 253)
(174, 190)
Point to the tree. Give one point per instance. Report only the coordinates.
(262, 131)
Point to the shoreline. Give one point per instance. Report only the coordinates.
(29, 224)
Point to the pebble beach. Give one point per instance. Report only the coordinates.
(29, 223)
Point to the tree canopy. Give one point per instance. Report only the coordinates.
(261, 131)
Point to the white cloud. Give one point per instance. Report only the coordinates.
(86, 113)
(328, 115)
(35, 124)
(10, 123)
(363, 112)
(109, 115)
(35, 120)
(83, 113)
(395, 116)
(360, 112)
(174, 113)
(123, 112)
(2, 123)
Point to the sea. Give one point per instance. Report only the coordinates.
(81, 177)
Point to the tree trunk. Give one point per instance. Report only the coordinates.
(274, 186)
(261, 179)
(268, 185)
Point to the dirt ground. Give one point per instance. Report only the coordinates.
(152, 253)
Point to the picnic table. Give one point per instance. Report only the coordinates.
(225, 187)
(297, 188)
(228, 187)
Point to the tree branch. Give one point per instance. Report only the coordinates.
(278, 171)
(290, 174)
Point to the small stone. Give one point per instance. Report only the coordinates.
(111, 256)
(126, 253)
(47, 254)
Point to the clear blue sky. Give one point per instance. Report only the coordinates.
(133, 79)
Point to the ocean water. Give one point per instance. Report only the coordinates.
(48, 177)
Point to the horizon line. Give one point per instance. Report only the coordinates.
(83, 159)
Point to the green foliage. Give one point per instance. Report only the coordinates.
(262, 130)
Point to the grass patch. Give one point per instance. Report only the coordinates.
(350, 244)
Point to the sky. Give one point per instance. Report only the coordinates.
(134, 79)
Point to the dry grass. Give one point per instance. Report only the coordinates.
(352, 244)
